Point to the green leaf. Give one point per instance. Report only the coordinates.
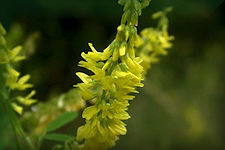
(58, 137)
(61, 121)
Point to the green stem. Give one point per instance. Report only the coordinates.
(40, 140)
(6, 109)
(26, 138)
(16, 126)
(15, 135)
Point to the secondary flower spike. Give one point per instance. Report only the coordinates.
(10, 79)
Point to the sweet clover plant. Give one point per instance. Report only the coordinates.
(117, 71)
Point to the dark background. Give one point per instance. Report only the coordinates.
(182, 103)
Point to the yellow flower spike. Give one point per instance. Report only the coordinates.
(155, 41)
(17, 108)
(116, 73)
(12, 82)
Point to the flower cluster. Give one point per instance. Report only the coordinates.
(116, 74)
(154, 41)
(10, 77)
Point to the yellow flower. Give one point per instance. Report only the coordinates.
(13, 54)
(27, 101)
(14, 83)
(17, 108)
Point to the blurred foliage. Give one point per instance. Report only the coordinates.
(36, 121)
(182, 103)
(181, 111)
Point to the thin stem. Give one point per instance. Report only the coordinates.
(17, 129)
(40, 140)
(25, 137)
(6, 107)
(15, 135)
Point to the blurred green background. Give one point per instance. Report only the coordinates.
(182, 103)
